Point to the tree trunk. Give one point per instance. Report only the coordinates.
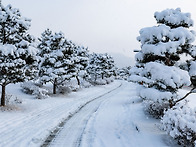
(102, 76)
(78, 80)
(54, 86)
(3, 96)
(95, 78)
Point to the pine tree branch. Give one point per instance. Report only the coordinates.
(174, 103)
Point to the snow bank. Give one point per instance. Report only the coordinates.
(180, 123)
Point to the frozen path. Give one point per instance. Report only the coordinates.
(115, 119)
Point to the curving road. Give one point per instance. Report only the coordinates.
(70, 132)
(114, 119)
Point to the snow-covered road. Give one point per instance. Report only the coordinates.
(72, 132)
(115, 119)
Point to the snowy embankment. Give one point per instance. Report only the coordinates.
(33, 120)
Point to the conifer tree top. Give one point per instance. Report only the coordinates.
(174, 18)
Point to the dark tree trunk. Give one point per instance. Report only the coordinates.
(95, 78)
(54, 86)
(102, 76)
(3, 96)
(78, 80)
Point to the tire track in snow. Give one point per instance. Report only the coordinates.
(89, 132)
(57, 129)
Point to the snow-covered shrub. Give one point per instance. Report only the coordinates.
(35, 89)
(10, 99)
(155, 102)
(100, 82)
(180, 123)
(155, 108)
(64, 89)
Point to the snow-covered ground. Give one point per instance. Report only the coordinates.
(115, 118)
(33, 120)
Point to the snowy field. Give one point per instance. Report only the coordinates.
(115, 119)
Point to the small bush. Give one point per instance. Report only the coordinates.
(64, 89)
(180, 123)
(10, 99)
(35, 89)
(155, 109)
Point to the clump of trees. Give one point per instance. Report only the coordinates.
(100, 66)
(54, 59)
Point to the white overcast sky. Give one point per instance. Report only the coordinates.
(101, 25)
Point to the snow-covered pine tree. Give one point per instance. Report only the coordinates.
(161, 47)
(108, 66)
(100, 66)
(93, 68)
(123, 73)
(45, 43)
(56, 59)
(81, 59)
(17, 56)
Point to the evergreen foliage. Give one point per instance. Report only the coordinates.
(101, 66)
(17, 56)
(81, 60)
(161, 47)
(123, 73)
(56, 59)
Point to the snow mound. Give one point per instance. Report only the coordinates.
(180, 123)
